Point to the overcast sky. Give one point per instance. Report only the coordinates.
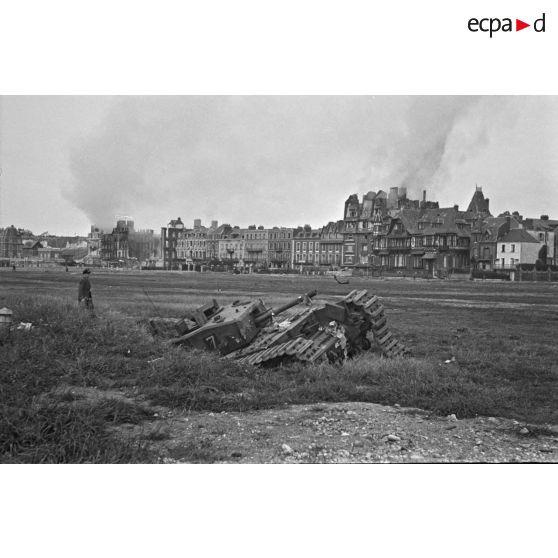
(69, 162)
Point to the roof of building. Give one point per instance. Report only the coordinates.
(542, 224)
(433, 221)
(519, 235)
(30, 243)
(311, 234)
(478, 202)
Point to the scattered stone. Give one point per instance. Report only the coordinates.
(368, 455)
(478, 442)
(393, 438)
(416, 456)
(344, 453)
(287, 450)
(451, 427)
(493, 420)
(236, 454)
(452, 417)
(524, 431)
(546, 449)
(397, 405)
(358, 443)
(344, 434)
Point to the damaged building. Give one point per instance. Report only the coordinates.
(125, 246)
(11, 245)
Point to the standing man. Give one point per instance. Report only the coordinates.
(84, 291)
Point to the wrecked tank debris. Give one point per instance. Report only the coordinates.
(300, 330)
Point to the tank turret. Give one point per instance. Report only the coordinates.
(229, 328)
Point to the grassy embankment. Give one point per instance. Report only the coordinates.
(503, 366)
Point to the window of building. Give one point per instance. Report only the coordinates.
(512, 248)
(503, 248)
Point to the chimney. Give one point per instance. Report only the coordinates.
(197, 223)
(424, 197)
(214, 224)
(456, 207)
(392, 197)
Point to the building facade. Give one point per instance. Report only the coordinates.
(331, 245)
(279, 247)
(11, 243)
(517, 247)
(256, 246)
(169, 241)
(306, 247)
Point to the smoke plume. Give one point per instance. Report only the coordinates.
(276, 160)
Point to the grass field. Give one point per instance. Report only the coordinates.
(502, 337)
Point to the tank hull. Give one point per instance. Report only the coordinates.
(251, 333)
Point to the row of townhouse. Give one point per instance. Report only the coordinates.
(419, 236)
(252, 246)
(386, 230)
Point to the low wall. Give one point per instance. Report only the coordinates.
(537, 276)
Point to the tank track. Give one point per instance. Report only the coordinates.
(365, 313)
(371, 307)
(301, 348)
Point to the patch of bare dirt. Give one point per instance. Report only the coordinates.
(345, 433)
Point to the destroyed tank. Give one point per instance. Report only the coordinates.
(300, 330)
